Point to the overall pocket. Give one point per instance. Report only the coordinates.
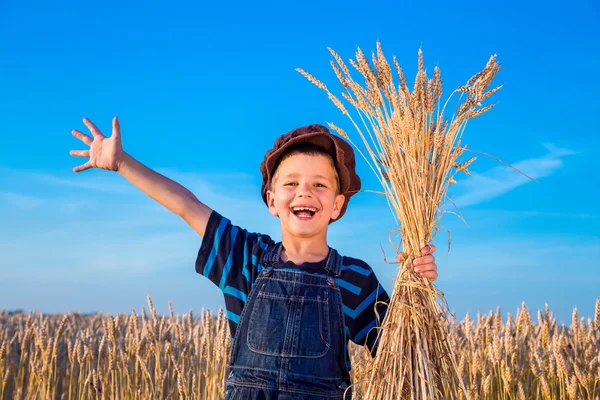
(290, 326)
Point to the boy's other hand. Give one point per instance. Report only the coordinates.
(104, 153)
(424, 265)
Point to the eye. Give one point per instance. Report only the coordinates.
(290, 184)
(320, 185)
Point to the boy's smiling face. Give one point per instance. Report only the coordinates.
(304, 194)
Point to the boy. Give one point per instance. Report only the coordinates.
(292, 306)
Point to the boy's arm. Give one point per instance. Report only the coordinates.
(366, 306)
(167, 192)
(107, 153)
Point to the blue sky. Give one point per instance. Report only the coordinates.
(202, 91)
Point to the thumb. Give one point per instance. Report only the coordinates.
(400, 256)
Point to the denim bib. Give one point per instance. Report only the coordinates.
(290, 341)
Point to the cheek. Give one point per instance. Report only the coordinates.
(328, 201)
(282, 197)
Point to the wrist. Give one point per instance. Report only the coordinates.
(123, 161)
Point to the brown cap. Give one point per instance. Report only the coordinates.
(338, 148)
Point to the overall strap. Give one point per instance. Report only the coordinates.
(334, 263)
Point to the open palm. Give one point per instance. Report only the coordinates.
(104, 153)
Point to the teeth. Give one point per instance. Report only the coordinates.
(304, 209)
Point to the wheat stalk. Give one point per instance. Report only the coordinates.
(491, 366)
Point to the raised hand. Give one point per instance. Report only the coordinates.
(104, 153)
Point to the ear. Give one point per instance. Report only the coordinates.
(271, 203)
(337, 206)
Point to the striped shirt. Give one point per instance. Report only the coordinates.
(229, 256)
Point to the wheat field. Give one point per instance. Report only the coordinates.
(147, 356)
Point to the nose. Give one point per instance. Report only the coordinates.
(304, 190)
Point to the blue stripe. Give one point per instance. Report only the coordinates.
(228, 263)
(373, 323)
(262, 244)
(356, 268)
(233, 317)
(348, 286)
(365, 303)
(246, 274)
(230, 290)
(213, 253)
(360, 335)
(347, 331)
(245, 264)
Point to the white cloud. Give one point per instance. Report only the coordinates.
(499, 180)
(20, 200)
(538, 214)
(82, 230)
(557, 151)
(95, 180)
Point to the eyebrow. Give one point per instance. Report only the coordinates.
(294, 174)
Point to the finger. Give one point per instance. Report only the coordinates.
(424, 260)
(426, 267)
(400, 256)
(95, 131)
(429, 249)
(80, 153)
(431, 275)
(116, 127)
(83, 137)
(82, 167)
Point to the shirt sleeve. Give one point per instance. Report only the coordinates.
(365, 303)
(228, 257)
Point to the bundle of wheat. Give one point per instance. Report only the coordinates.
(413, 150)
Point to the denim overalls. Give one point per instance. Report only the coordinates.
(290, 342)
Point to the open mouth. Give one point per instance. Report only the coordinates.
(304, 212)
